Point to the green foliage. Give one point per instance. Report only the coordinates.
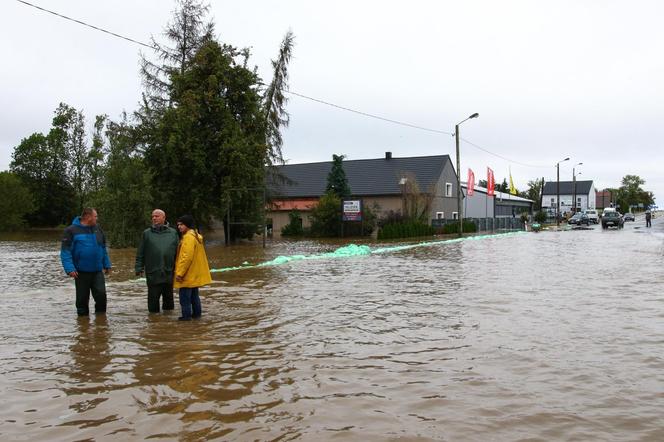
(204, 136)
(124, 201)
(97, 156)
(468, 227)
(540, 217)
(187, 32)
(326, 216)
(41, 163)
(207, 153)
(534, 193)
(275, 100)
(294, 226)
(630, 193)
(405, 229)
(336, 179)
(16, 202)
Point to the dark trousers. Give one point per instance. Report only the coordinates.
(165, 291)
(648, 223)
(190, 302)
(90, 282)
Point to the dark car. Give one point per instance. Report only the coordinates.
(579, 218)
(612, 219)
(628, 216)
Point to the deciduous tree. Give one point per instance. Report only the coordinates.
(16, 202)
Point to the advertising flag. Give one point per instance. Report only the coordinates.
(490, 182)
(512, 188)
(471, 182)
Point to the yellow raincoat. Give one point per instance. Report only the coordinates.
(191, 262)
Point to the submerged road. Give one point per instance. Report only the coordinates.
(537, 336)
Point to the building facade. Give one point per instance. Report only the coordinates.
(501, 205)
(583, 191)
(381, 182)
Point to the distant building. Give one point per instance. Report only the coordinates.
(584, 191)
(375, 181)
(502, 205)
(604, 199)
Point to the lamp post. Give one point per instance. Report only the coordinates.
(402, 184)
(458, 167)
(574, 181)
(558, 191)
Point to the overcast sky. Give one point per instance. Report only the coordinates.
(550, 80)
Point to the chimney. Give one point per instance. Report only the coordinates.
(388, 155)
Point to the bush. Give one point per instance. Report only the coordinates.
(468, 227)
(326, 216)
(405, 229)
(294, 226)
(540, 217)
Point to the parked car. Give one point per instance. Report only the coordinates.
(629, 216)
(612, 219)
(592, 215)
(579, 218)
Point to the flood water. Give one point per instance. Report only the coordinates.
(535, 336)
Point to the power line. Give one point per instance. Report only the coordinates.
(502, 157)
(327, 103)
(86, 24)
(370, 115)
(412, 126)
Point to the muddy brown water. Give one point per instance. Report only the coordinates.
(538, 336)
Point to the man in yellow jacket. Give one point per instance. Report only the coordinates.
(191, 268)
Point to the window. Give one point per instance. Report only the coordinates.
(448, 189)
(578, 202)
(440, 215)
(455, 215)
(553, 201)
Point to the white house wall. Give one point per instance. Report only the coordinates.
(566, 201)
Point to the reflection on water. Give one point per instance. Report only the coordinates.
(548, 336)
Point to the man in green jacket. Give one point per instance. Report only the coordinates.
(156, 255)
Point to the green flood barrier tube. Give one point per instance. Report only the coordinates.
(353, 250)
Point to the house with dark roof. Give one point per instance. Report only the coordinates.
(378, 182)
(582, 193)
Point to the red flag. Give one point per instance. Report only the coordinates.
(471, 182)
(490, 182)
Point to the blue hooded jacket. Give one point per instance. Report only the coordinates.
(84, 248)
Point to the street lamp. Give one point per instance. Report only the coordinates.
(458, 166)
(402, 184)
(558, 191)
(574, 181)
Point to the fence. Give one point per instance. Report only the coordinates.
(486, 224)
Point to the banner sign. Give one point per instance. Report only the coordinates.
(352, 210)
(490, 182)
(471, 183)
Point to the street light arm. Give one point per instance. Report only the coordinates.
(475, 115)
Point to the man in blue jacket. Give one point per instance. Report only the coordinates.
(84, 257)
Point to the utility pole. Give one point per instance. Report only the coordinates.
(458, 167)
(459, 193)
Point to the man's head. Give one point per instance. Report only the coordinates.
(89, 217)
(158, 217)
